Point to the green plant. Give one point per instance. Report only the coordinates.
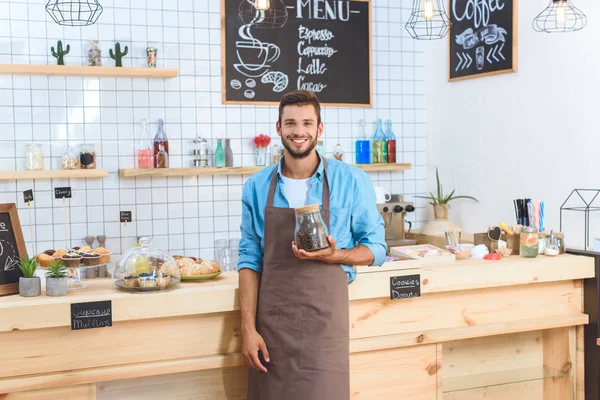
(28, 266)
(117, 55)
(56, 270)
(60, 53)
(441, 198)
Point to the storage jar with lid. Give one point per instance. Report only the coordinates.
(560, 241)
(529, 242)
(87, 156)
(70, 159)
(543, 242)
(311, 232)
(146, 268)
(34, 158)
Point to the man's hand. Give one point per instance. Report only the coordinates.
(329, 255)
(252, 342)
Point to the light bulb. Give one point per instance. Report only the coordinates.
(561, 13)
(428, 9)
(262, 5)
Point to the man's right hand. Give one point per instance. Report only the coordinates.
(252, 342)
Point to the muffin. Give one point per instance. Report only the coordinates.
(146, 281)
(163, 280)
(44, 260)
(71, 260)
(130, 280)
(90, 259)
(85, 248)
(59, 253)
(50, 252)
(104, 255)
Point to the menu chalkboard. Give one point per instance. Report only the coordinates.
(12, 248)
(323, 46)
(483, 38)
(405, 287)
(96, 314)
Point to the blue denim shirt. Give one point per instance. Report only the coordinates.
(354, 218)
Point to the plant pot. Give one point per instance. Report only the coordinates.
(440, 211)
(30, 287)
(56, 287)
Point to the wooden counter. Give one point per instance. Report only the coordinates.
(481, 329)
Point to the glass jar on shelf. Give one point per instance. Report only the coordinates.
(87, 156)
(529, 242)
(310, 233)
(202, 153)
(338, 152)
(276, 153)
(34, 157)
(70, 159)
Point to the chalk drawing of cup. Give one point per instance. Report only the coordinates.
(255, 57)
(480, 57)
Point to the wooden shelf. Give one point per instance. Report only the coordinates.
(131, 173)
(68, 70)
(53, 174)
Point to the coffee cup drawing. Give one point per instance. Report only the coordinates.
(255, 57)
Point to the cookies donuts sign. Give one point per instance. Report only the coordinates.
(12, 249)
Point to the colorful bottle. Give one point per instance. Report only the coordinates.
(379, 147)
(145, 145)
(363, 145)
(162, 157)
(160, 139)
(390, 142)
(219, 154)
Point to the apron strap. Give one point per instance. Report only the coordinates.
(271, 195)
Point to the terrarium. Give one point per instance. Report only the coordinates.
(146, 269)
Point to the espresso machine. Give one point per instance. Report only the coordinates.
(394, 219)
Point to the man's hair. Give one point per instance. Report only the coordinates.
(300, 98)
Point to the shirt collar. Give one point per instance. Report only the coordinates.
(319, 174)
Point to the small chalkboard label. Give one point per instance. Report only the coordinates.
(96, 314)
(405, 287)
(28, 195)
(125, 216)
(62, 192)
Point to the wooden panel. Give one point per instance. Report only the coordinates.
(53, 174)
(69, 70)
(383, 375)
(518, 391)
(580, 364)
(559, 354)
(80, 392)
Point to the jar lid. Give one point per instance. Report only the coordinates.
(527, 229)
(307, 209)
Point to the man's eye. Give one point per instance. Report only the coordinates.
(289, 123)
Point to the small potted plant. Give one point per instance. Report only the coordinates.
(56, 279)
(261, 143)
(29, 284)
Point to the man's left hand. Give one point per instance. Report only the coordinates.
(328, 255)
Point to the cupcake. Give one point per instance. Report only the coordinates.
(146, 281)
(49, 252)
(59, 253)
(71, 260)
(163, 280)
(90, 259)
(104, 255)
(44, 260)
(85, 248)
(130, 280)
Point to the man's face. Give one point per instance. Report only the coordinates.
(299, 129)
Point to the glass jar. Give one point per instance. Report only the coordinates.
(87, 156)
(529, 242)
(542, 243)
(34, 158)
(276, 153)
(552, 247)
(311, 232)
(234, 244)
(560, 242)
(70, 159)
(146, 268)
(201, 152)
(338, 152)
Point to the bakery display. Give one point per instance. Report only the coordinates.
(75, 257)
(71, 260)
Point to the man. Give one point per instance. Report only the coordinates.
(294, 304)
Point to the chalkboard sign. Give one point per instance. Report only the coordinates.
(28, 196)
(405, 287)
(483, 38)
(323, 46)
(125, 216)
(96, 314)
(12, 248)
(62, 192)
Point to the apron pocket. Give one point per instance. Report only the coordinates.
(324, 347)
(268, 327)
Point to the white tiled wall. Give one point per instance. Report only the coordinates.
(184, 215)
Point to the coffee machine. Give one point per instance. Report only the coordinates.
(394, 219)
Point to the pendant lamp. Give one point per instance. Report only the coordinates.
(74, 12)
(428, 20)
(560, 16)
(263, 14)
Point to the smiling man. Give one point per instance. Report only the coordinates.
(294, 304)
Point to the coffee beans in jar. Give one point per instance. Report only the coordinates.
(87, 156)
(311, 232)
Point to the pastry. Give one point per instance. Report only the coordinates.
(184, 262)
(104, 255)
(130, 280)
(209, 267)
(85, 248)
(71, 260)
(168, 269)
(146, 281)
(50, 252)
(59, 253)
(90, 259)
(163, 280)
(44, 260)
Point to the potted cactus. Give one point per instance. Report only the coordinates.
(56, 279)
(29, 284)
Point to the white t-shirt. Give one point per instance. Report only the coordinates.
(296, 191)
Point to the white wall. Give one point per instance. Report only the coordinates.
(532, 134)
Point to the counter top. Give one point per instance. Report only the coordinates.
(221, 294)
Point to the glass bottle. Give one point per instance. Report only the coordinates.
(338, 152)
(390, 142)
(228, 153)
(145, 145)
(276, 153)
(363, 145)
(160, 139)
(94, 55)
(310, 233)
(87, 156)
(379, 147)
(162, 157)
(34, 158)
(69, 159)
(529, 242)
(219, 154)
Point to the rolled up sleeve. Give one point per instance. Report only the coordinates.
(367, 224)
(250, 249)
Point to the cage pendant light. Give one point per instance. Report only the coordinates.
(560, 16)
(428, 20)
(74, 12)
(263, 14)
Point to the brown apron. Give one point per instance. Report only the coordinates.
(302, 316)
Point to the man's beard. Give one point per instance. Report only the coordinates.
(299, 154)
